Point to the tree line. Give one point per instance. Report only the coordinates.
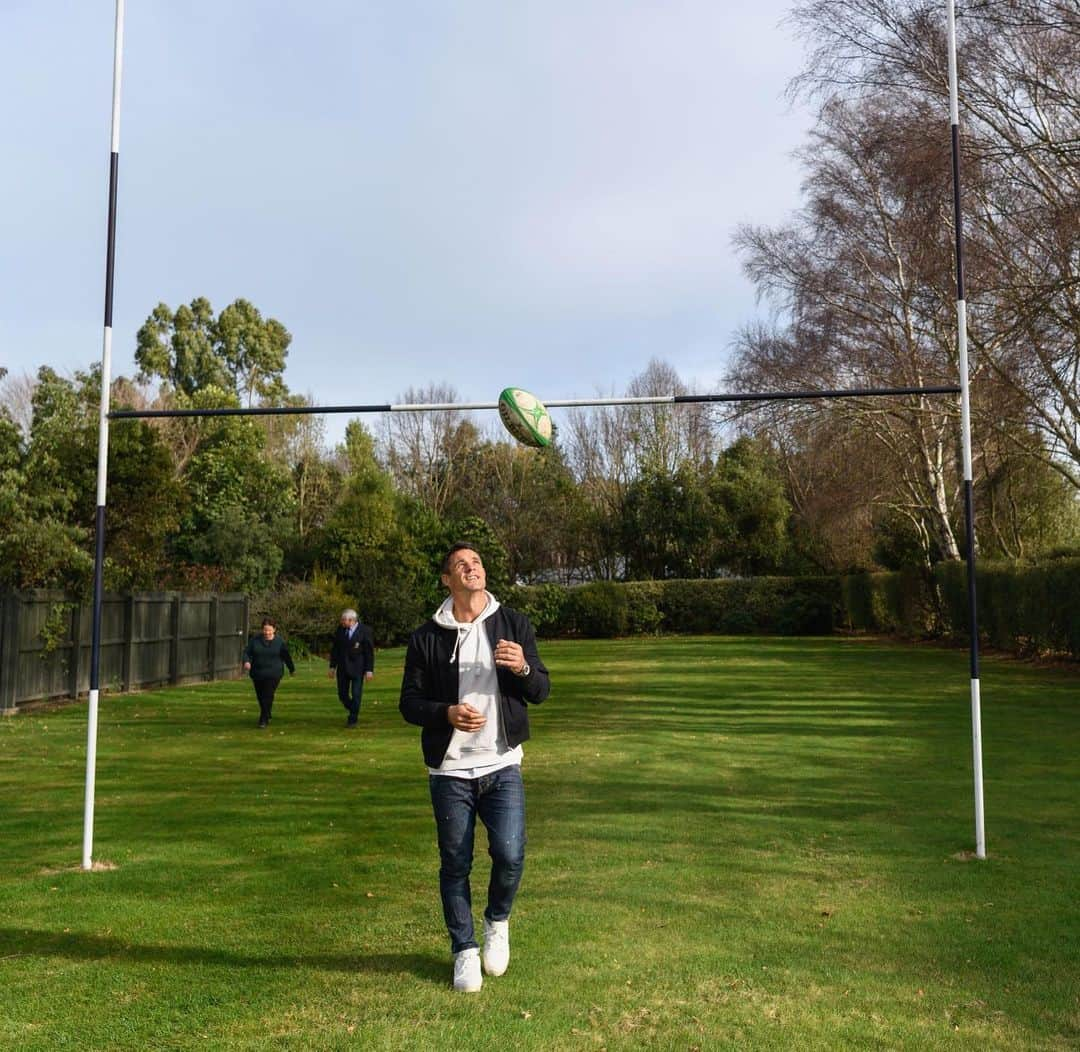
(862, 288)
(261, 504)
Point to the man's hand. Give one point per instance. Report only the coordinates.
(465, 718)
(247, 666)
(369, 675)
(510, 655)
(330, 673)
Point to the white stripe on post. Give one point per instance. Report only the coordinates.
(976, 750)
(91, 769)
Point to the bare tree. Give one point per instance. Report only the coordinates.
(426, 452)
(16, 399)
(617, 441)
(866, 289)
(833, 481)
(607, 448)
(1019, 66)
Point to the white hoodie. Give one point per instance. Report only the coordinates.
(481, 752)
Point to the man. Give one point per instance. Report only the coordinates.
(352, 656)
(469, 673)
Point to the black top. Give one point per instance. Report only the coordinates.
(430, 683)
(269, 657)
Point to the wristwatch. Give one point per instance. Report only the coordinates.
(525, 670)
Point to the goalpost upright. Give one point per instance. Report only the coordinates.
(105, 415)
(965, 437)
(103, 448)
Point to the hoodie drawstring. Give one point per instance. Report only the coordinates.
(462, 632)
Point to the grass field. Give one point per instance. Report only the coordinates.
(753, 843)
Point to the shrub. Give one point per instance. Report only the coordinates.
(644, 615)
(857, 602)
(543, 604)
(901, 602)
(696, 606)
(597, 610)
(806, 614)
(306, 612)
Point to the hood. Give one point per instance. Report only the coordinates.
(444, 618)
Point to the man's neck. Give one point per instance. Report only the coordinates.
(470, 606)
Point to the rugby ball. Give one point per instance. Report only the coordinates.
(525, 417)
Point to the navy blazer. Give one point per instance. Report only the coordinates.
(355, 656)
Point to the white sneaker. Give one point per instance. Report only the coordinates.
(496, 946)
(467, 977)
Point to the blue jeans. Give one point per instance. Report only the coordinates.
(499, 801)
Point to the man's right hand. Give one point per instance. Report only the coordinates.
(465, 718)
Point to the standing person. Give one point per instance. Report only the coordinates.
(470, 671)
(352, 655)
(265, 659)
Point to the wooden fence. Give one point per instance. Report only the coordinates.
(147, 639)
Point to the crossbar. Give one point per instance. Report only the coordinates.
(443, 407)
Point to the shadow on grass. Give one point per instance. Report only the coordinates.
(75, 946)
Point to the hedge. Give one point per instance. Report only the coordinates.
(726, 606)
(1023, 608)
(900, 603)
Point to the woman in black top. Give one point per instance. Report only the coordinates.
(265, 659)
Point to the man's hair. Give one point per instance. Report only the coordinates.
(269, 621)
(457, 547)
(350, 614)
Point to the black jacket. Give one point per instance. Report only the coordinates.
(355, 656)
(430, 684)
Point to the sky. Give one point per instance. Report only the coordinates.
(477, 193)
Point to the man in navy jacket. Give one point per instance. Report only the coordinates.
(352, 656)
(470, 672)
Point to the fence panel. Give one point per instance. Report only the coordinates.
(193, 652)
(147, 639)
(152, 637)
(231, 634)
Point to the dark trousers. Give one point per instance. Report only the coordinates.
(350, 689)
(498, 800)
(264, 691)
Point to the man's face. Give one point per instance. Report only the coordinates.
(348, 622)
(466, 573)
(268, 631)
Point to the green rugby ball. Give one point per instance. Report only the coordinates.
(525, 417)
